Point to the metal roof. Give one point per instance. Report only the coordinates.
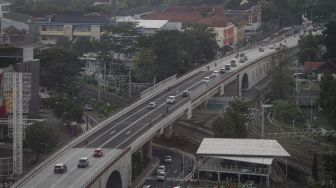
(241, 147)
(151, 24)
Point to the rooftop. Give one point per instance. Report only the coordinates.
(241, 147)
(151, 24)
(91, 18)
(2, 2)
(310, 66)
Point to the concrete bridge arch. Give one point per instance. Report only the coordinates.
(114, 180)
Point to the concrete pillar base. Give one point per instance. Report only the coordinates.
(221, 93)
(147, 150)
(189, 113)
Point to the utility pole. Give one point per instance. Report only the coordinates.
(130, 83)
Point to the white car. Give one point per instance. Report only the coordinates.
(151, 105)
(160, 169)
(167, 159)
(216, 73)
(161, 176)
(171, 99)
(206, 79)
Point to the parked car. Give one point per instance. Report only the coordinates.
(171, 99)
(161, 168)
(151, 105)
(167, 159)
(185, 93)
(161, 176)
(206, 79)
(60, 168)
(83, 162)
(98, 152)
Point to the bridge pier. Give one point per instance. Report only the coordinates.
(221, 91)
(147, 149)
(189, 112)
(238, 86)
(168, 131)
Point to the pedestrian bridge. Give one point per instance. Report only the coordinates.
(133, 128)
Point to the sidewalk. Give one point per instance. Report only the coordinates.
(145, 173)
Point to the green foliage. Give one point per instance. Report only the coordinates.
(178, 52)
(328, 96)
(40, 139)
(310, 48)
(67, 109)
(281, 78)
(330, 40)
(144, 65)
(288, 12)
(315, 168)
(287, 112)
(231, 124)
(58, 67)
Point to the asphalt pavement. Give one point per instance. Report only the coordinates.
(174, 171)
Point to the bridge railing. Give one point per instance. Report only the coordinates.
(103, 168)
(163, 84)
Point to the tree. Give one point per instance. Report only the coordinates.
(68, 110)
(40, 139)
(330, 166)
(330, 40)
(310, 48)
(144, 65)
(58, 67)
(63, 42)
(328, 96)
(82, 45)
(281, 78)
(287, 112)
(315, 168)
(231, 124)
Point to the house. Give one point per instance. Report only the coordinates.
(71, 26)
(211, 16)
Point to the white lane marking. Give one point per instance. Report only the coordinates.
(112, 132)
(128, 132)
(164, 96)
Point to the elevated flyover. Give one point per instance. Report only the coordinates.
(133, 128)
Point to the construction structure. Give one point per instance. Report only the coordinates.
(241, 160)
(17, 94)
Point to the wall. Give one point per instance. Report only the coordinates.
(95, 32)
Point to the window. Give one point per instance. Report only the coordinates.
(44, 28)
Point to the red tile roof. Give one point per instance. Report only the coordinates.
(206, 15)
(310, 66)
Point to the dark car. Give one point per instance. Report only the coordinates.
(185, 93)
(83, 162)
(60, 168)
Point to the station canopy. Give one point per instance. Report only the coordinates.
(258, 150)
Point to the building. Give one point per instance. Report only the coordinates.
(17, 53)
(241, 160)
(71, 26)
(4, 7)
(148, 27)
(211, 16)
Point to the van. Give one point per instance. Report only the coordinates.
(151, 105)
(227, 67)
